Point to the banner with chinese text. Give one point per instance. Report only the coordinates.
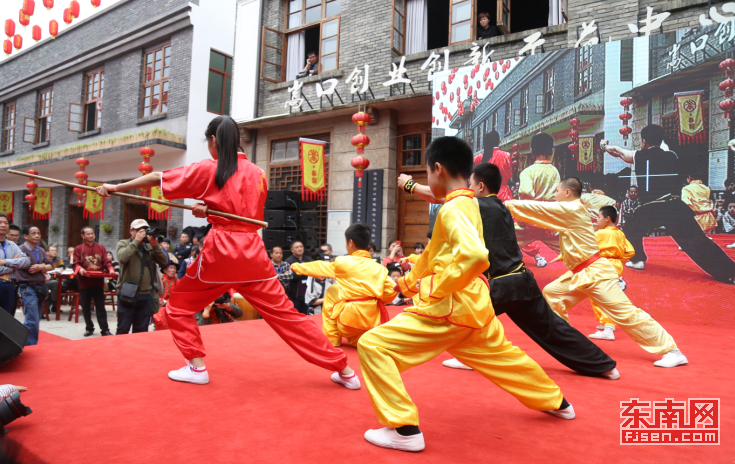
(42, 207)
(313, 178)
(586, 153)
(155, 210)
(690, 117)
(94, 205)
(6, 204)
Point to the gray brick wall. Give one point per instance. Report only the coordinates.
(59, 217)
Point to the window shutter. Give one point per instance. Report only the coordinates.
(539, 104)
(30, 130)
(272, 67)
(76, 116)
(517, 118)
(503, 16)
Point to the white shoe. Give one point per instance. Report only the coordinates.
(602, 327)
(612, 374)
(455, 364)
(388, 438)
(541, 261)
(567, 413)
(605, 334)
(623, 284)
(672, 359)
(640, 265)
(187, 374)
(732, 245)
(350, 382)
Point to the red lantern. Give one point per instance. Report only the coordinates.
(81, 179)
(625, 117)
(7, 47)
(625, 131)
(450, 78)
(28, 7)
(437, 95)
(74, 8)
(31, 186)
(36, 33)
(67, 16)
(48, 4)
(727, 106)
(18, 41)
(96, 3)
(451, 97)
(574, 122)
(727, 65)
(444, 88)
(145, 167)
(361, 119)
(9, 28)
(477, 84)
(360, 141)
(23, 19)
(574, 136)
(497, 76)
(470, 90)
(53, 28)
(360, 163)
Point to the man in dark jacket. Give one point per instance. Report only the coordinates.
(138, 256)
(297, 287)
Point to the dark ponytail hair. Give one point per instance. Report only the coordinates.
(227, 137)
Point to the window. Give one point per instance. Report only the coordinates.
(398, 39)
(461, 21)
(626, 60)
(288, 149)
(88, 117)
(220, 83)
(9, 127)
(155, 81)
(38, 130)
(524, 107)
(584, 70)
(412, 146)
(549, 82)
(508, 117)
(303, 12)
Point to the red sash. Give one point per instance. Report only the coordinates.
(584, 265)
(384, 317)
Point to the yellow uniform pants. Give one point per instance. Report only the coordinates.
(600, 316)
(332, 328)
(409, 340)
(613, 303)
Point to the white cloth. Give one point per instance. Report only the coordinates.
(296, 58)
(314, 292)
(555, 9)
(416, 26)
(6, 391)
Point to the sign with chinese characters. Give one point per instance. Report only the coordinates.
(374, 210)
(359, 200)
(94, 205)
(695, 421)
(337, 223)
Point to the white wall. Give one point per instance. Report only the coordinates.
(214, 28)
(245, 76)
(613, 89)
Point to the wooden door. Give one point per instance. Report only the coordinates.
(76, 222)
(412, 212)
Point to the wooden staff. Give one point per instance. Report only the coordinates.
(213, 212)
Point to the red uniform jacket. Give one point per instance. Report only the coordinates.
(232, 251)
(501, 159)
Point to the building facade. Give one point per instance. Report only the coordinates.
(387, 42)
(141, 73)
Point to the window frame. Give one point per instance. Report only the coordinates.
(303, 24)
(583, 74)
(91, 99)
(44, 96)
(502, 6)
(393, 28)
(508, 123)
(472, 21)
(408, 131)
(549, 89)
(626, 69)
(315, 136)
(523, 107)
(153, 82)
(10, 111)
(284, 54)
(321, 39)
(224, 79)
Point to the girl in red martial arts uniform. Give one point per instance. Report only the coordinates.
(233, 256)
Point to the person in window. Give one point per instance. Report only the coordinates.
(311, 67)
(484, 29)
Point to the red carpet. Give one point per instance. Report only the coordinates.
(109, 400)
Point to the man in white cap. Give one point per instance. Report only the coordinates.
(138, 256)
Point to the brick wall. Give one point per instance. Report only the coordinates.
(59, 217)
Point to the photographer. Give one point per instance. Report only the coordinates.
(138, 256)
(11, 407)
(31, 281)
(219, 312)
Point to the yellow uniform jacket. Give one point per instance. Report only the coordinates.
(697, 196)
(614, 246)
(539, 181)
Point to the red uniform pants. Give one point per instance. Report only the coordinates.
(191, 295)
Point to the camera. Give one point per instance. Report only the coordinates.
(225, 298)
(11, 408)
(151, 232)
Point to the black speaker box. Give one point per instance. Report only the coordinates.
(281, 238)
(282, 199)
(309, 220)
(13, 336)
(280, 219)
(309, 238)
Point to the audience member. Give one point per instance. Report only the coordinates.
(112, 282)
(52, 253)
(168, 280)
(12, 258)
(69, 258)
(297, 287)
(282, 268)
(371, 249)
(728, 220)
(52, 284)
(31, 281)
(311, 67)
(166, 245)
(183, 250)
(484, 29)
(138, 256)
(91, 256)
(220, 311)
(396, 254)
(327, 250)
(418, 248)
(395, 273)
(13, 233)
(184, 265)
(316, 287)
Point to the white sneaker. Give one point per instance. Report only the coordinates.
(187, 374)
(672, 359)
(567, 413)
(640, 265)
(540, 261)
(612, 374)
(455, 364)
(605, 334)
(623, 284)
(602, 327)
(732, 245)
(350, 382)
(388, 438)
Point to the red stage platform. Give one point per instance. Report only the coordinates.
(109, 399)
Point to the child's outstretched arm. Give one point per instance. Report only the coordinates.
(314, 269)
(544, 214)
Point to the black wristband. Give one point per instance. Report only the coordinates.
(409, 186)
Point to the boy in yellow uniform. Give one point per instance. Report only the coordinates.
(618, 250)
(356, 303)
(696, 195)
(454, 314)
(591, 275)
